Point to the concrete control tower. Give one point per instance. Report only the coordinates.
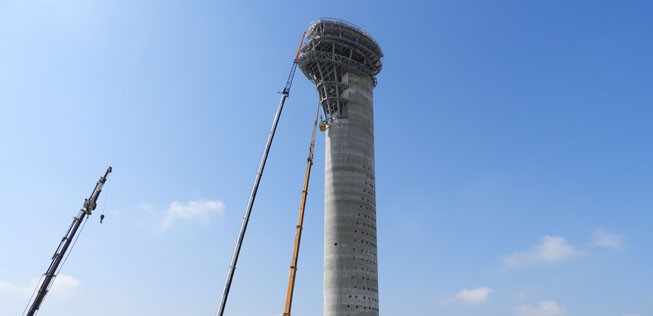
(342, 60)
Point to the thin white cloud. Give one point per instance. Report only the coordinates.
(522, 295)
(542, 308)
(9, 288)
(606, 239)
(63, 285)
(474, 296)
(200, 211)
(149, 209)
(551, 249)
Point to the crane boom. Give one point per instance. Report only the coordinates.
(89, 205)
(300, 222)
(257, 180)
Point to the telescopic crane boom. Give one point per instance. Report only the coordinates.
(257, 180)
(300, 222)
(89, 205)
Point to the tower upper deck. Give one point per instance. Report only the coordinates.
(334, 47)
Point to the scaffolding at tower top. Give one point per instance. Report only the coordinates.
(333, 48)
(340, 42)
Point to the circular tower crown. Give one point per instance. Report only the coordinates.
(333, 48)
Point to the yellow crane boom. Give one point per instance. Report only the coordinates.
(300, 223)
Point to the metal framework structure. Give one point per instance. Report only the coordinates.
(66, 244)
(334, 47)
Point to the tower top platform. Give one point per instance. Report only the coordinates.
(334, 47)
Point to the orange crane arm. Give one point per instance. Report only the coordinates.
(299, 49)
(300, 223)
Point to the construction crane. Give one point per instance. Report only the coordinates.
(300, 222)
(243, 228)
(60, 254)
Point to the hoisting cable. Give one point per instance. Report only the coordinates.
(60, 265)
(38, 284)
(72, 246)
(300, 220)
(104, 205)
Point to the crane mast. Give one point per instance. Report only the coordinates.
(300, 222)
(257, 180)
(89, 205)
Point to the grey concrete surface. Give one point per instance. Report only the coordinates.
(350, 249)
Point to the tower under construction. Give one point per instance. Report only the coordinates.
(342, 60)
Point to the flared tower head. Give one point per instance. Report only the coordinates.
(332, 49)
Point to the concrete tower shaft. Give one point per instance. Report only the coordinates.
(342, 60)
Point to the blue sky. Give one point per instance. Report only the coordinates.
(513, 155)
